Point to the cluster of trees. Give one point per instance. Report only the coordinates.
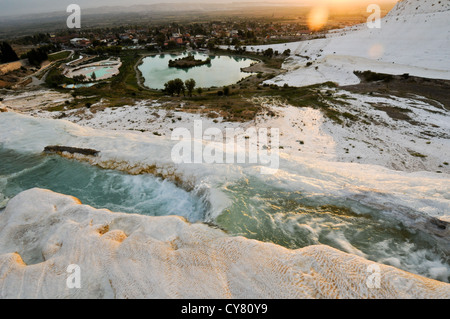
(55, 78)
(247, 35)
(104, 50)
(177, 86)
(80, 78)
(226, 91)
(37, 56)
(270, 52)
(240, 50)
(7, 54)
(84, 78)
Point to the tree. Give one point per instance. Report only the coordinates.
(190, 85)
(7, 54)
(268, 53)
(37, 56)
(93, 76)
(171, 45)
(54, 79)
(174, 87)
(236, 42)
(169, 87)
(160, 39)
(79, 78)
(211, 44)
(226, 91)
(287, 52)
(199, 91)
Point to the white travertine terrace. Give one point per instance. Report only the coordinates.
(133, 256)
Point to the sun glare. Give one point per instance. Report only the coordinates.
(318, 18)
(376, 51)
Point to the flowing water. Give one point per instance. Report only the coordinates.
(117, 191)
(295, 220)
(257, 210)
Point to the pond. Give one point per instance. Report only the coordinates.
(222, 71)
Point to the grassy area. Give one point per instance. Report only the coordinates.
(58, 56)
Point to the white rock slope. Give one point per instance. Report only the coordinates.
(133, 256)
(414, 38)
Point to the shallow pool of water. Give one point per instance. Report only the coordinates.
(119, 192)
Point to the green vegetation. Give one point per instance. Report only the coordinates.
(7, 54)
(370, 76)
(349, 116)
(58, 56)
(190, 85)
(268, 53)
(126, 83)
(187, 62)
(37, 56)
(105, 51)
(416, 154)
(55, 78)
(174, 87)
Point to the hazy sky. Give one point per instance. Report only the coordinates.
(17, 7)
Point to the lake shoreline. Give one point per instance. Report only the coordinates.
(239, 70)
